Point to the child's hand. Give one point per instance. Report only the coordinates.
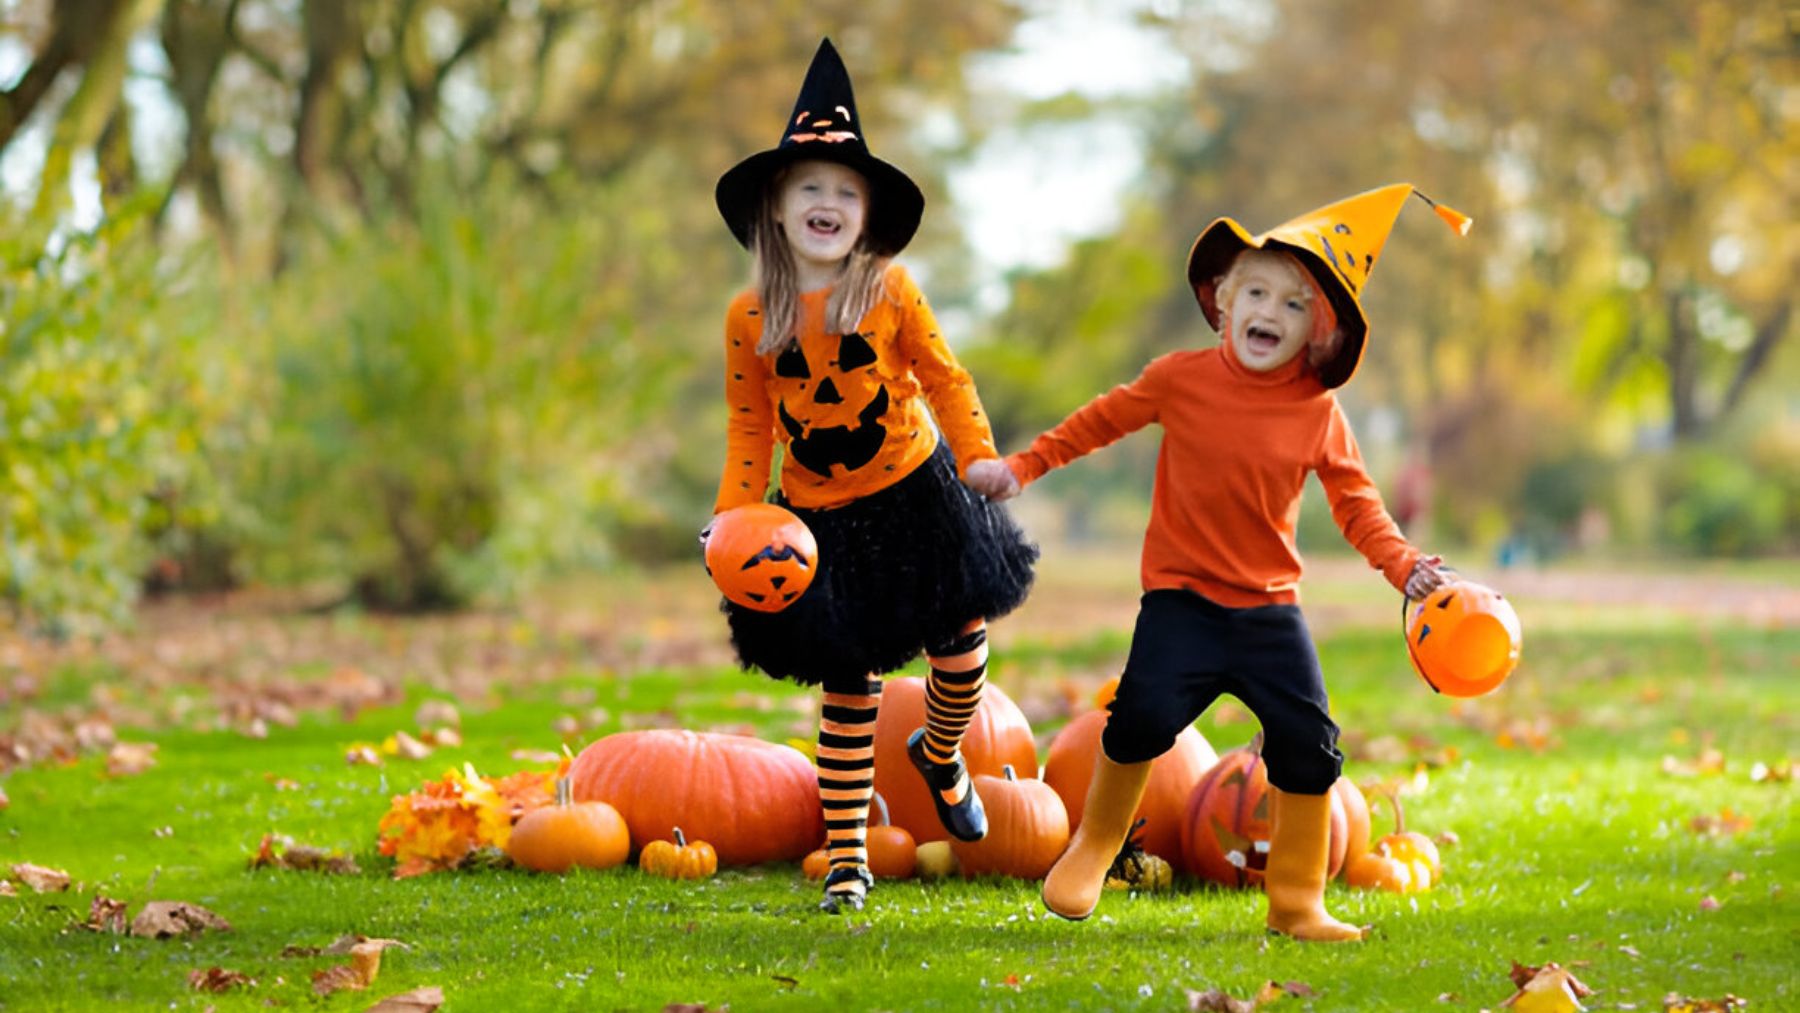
(991, 478)
(1426, 577)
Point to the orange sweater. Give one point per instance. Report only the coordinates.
(1237, 446)
(850, 410)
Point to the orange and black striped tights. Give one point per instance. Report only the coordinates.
(847, 751)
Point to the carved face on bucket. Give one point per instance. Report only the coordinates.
(824, 429)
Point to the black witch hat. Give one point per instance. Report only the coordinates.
(823, 126)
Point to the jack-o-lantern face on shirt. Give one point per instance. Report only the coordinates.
(827, 427)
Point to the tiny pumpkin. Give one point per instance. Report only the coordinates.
(679, 860)
(892, 853)
(816, 864)
(553, 838)
(1411, 847)
(1136, 869)
(935, 860)
(1372, 871)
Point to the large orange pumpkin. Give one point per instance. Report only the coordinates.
(998, 735)
(1027, 828)
(1225, 830)
(753, 801)
(1069, 768)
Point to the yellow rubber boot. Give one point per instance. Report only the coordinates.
(1072, 888)
(1299, 848)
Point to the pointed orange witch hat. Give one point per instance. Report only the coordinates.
(1338, 243)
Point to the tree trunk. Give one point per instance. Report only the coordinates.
(94, 100)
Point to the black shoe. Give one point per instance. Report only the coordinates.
(853, 897)
(965, 820)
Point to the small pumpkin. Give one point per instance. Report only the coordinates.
(554, 837)
(892, 853)
(1410, 847)
(1372, 871)
(936, 860)
(998, 735)
(816, 864)
(1028, 828)
(679, 860)
(1136, 869)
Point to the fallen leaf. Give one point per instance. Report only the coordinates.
(362, 754)
(1546, 989)
(218, 979)
(1760, 772)
(1726, 822)
(106, 915)
(360, 973)
(419, 1000)
(1673, 1003)
(41, 878)
(443, 738)
(1710, 762)
(335, 978)
(128, 758)
(1709, 903)
(7, 889)
(161, 919)
(405, 746)
(1216, 1001)
(4, 801)
(281, 852)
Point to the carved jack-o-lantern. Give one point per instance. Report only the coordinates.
(824, 430)
(761, 556)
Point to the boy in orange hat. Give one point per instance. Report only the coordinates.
(1243, 424)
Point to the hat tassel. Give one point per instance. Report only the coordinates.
(1452, 217)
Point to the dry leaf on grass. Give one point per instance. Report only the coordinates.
(419, 1000)
(1710, 762)
(280, 852)
(1546, 989)
(162, 919)
(7, 889)
(41, 878)
(4, 801)
(365, 964)
(1762, 773)
(1673, 1003)
(1215, 1001)
(437, 712)
(106, 915)
(1726, 822)
(128, 758)
(218, 979)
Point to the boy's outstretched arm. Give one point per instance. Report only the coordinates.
(1113, 415)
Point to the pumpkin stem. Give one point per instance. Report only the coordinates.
(882, 809)
(565, 793)
(1007, 770)
(1393, 801)
(680, 838)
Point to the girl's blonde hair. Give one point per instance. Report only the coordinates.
(777, 281)
(1324, 341)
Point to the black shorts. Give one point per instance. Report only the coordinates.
(1187, 650)
(901, 571)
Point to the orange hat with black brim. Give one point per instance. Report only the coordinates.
(1338, 243)
(823, 126)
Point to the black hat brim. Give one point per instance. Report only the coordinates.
(896, 204)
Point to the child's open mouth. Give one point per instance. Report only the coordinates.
(1261, 339)
(823, 226)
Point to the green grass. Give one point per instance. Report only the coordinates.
(1580, 853)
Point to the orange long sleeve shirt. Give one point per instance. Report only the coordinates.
(850, 410)
(1236, 449)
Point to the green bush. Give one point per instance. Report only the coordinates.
(101, 404)
(1719, 505)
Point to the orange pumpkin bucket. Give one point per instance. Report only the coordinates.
(761, 556)
(1463, 638)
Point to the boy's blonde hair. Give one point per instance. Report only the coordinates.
(777, 280)
(1324, 341)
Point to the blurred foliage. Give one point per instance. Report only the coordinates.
(418, 300)
(104, 402)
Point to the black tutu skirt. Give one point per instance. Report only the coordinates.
(900, 571)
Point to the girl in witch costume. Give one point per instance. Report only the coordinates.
(834, 354)
(1243, 424)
